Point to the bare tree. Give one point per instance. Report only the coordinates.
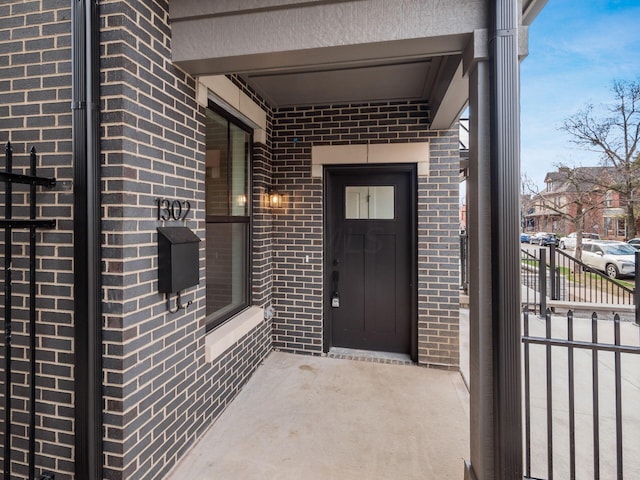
(527, 202)
(572, 195)
(613, 130)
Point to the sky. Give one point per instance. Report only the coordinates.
(577, 48)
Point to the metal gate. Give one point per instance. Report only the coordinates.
(16, 408)
(581, 397)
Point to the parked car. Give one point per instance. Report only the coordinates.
(635, 243)
(615, 259)
(570, 240)
(544, 239)
(524, 237)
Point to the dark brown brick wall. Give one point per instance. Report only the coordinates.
(160, 393)
(438, 254)
(262, 255)
(35, 97)
(298, 227)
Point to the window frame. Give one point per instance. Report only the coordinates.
(211, 324)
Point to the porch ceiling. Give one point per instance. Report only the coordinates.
(296, 52)
(414, 79)
(307, 52)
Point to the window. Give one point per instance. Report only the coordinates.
(228, 217)
(369, 202)
(608, 199)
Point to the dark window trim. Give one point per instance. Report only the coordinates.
(212, 324)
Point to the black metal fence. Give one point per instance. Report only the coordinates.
(464, 262)
(17, 404)
(581, 398)
(581, 390)
(551, 274)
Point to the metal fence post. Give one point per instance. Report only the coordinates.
(542, 272)
(636, 290)
(464, 243)
(553, 273)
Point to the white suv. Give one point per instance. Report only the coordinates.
(570, 240)
(615, 259)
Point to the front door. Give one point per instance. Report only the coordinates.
(369, 276)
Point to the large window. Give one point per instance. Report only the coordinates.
(228, 210)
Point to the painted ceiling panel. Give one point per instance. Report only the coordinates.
(408, 81)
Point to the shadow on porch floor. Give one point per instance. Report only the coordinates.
(318, 418)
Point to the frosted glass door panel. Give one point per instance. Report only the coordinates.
(369, 202)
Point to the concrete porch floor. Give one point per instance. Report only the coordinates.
(318, 418)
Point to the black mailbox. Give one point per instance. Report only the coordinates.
(178, 259)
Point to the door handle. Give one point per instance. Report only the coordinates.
(335, 297)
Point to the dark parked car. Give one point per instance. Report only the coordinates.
(544, 239)
(524, 237)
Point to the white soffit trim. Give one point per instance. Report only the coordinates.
(223, 92)
(375, 153)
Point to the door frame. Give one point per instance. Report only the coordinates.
(329, 172)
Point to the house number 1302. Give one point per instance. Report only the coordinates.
(173, 209)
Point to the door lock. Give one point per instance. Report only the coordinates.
(335, 300)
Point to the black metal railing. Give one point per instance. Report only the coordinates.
(555, 275)
(580, 397)
(579, 282)
(464, 262)
(9, 224)
(534, 279)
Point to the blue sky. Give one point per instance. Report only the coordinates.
(576, 49)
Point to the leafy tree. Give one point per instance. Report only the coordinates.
(613, 130)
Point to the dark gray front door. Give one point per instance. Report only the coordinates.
(369, 258)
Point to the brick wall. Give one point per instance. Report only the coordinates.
(438, 254)
(298, 227)
(35, 96)
(160, 393)
(262, 249)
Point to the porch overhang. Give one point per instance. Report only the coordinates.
(295, 52)
(286, 51)
(330, 52)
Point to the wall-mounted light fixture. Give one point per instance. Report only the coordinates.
(274, 198)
